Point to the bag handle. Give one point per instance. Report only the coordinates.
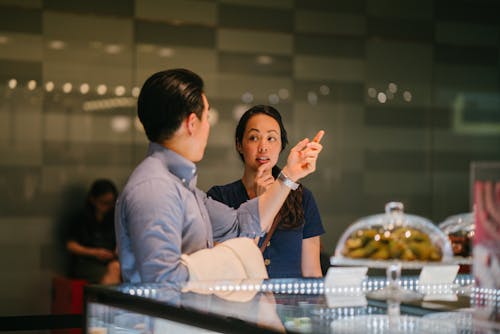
(269, 235)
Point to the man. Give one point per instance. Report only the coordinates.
(161, 214)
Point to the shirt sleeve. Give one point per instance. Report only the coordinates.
(155, 220)
(313, 225)
(230, 223)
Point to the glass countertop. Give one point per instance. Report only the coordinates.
(289, 305)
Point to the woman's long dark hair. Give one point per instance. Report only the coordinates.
(291, 214)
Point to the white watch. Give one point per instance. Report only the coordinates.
(287, 181)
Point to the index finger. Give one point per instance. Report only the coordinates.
(262, 169)
(318, 136)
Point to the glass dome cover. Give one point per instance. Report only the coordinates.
(460, 229)
(463, 222)
(393, 237)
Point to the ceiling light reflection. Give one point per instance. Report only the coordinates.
(49, 86)
(393, 88)
(312, 98)
(106, 104)
(381, 97)
(12, 83)
(273, 99)
(166, 52)
(247, 97)
(84, 88)
(284, 93)
(57, 45)
(407, 96)
(136, 91)
(264, 60)
(372, 92)
(67, 87)
(324, 90)
(119, 90)
(113, 49)
(120, 124)
(101, 89)
(4, 39)
(31, 85)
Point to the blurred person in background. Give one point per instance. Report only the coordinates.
(92, 241)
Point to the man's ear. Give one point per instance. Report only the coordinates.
(191, 123)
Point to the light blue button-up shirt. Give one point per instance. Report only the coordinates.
(161, 214)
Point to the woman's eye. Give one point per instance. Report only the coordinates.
(272, 139)
(253, 138)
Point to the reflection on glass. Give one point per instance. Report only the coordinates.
(49, 86)
(324, 90)
(67, 87)
(381, 97)
(119, 90)
(12, 83)
(392, 87)
(31, 85)
(101, 89)
(84, 88)
(407, 96)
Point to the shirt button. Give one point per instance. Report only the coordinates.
(193, 171)
(183, 180)
(267, 262)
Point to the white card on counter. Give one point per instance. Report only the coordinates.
(345, 276)
(343, 286)
(441, 277)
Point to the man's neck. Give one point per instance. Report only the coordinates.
(175, 146)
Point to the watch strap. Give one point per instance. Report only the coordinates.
(287, 181)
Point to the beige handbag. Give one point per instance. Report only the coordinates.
(235, 261)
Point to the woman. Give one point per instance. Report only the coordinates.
(92, 237)
(294, 246)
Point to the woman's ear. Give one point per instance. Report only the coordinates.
(239, 148)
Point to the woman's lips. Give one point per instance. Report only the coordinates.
(262, 160)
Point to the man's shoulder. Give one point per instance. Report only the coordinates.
(150, 172)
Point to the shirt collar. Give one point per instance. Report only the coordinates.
(176, 164)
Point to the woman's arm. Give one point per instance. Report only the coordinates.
(311, 266)
(99, 253)
(300, 163)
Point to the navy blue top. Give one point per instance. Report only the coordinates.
(284, 254)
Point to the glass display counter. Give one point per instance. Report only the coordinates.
(283, 305)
